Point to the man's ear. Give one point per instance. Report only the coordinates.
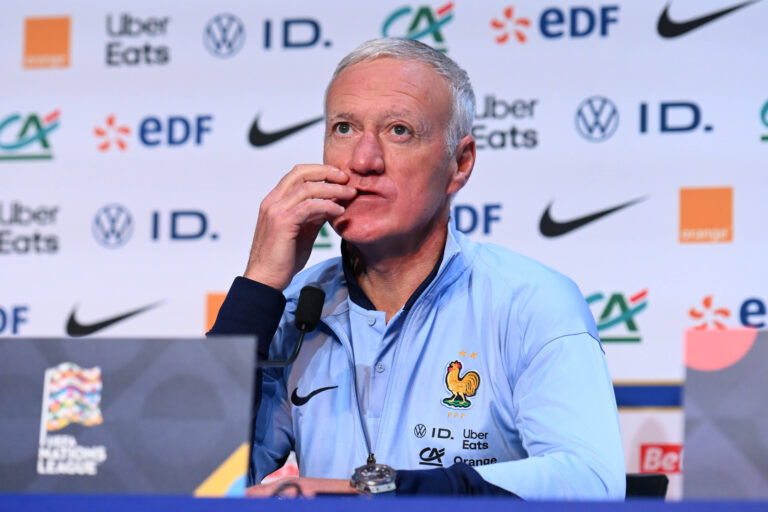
(462, 165)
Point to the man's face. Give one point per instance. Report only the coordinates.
(385, 122)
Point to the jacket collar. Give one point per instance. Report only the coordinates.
(340, 287)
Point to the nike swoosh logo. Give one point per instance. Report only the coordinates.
(77, 329)
(298, 401)
(552, 228)
(260, 138)
(668, 28)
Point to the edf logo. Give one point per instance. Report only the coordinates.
(556, 23)
(575, 22)
(470, 218)
(174, 130)
(11, 318)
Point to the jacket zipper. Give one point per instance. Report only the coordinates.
(351, 359)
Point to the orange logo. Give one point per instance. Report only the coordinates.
(46, 42)
(112, 133)
(514, 24)
(708, 314)
(213, 302)
(706, 215)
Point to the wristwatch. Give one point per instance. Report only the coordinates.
(374, 479)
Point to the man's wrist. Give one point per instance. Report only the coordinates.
(266, 279)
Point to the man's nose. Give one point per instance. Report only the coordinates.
(368, 156)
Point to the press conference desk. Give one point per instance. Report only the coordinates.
(117, 503)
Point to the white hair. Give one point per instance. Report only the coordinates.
(463, 106)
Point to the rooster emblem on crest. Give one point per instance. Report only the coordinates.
(460, 386)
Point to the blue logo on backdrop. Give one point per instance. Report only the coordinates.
(470, 218)
(11, 318)
(175, 131)
(224, 35)
(112, 226)
(182, 225)
(294, 33)
(577, 21)
(597, 119)
(674, 117)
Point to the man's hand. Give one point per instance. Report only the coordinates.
(290, 218)
(293, 487)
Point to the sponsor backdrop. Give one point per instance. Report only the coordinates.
(622, 143)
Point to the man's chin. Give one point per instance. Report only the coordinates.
(356, 230)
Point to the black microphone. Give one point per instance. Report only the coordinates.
(308, 312)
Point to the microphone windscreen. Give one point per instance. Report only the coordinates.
(309, 308)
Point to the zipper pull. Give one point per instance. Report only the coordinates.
(371, 459)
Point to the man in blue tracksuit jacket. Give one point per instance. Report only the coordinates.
(467, 368)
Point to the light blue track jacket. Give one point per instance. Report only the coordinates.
(530, 404)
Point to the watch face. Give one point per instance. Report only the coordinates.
(376, 472)
(374, 478)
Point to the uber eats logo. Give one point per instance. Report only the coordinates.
(503, 123)
(136, 41)
(28, 229)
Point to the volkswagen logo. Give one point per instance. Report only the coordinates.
(224, 35)
(112, 226)
(597, 118)
(419, 430)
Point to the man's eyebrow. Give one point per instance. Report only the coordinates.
(341, 115)
(387, 114)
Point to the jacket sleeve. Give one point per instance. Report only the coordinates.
(565, 410)
(254, 308)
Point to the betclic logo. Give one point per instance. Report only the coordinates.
(113, 226)
(553, 23)
(661, 458)
(154, 131)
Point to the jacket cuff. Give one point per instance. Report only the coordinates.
(458, 479)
